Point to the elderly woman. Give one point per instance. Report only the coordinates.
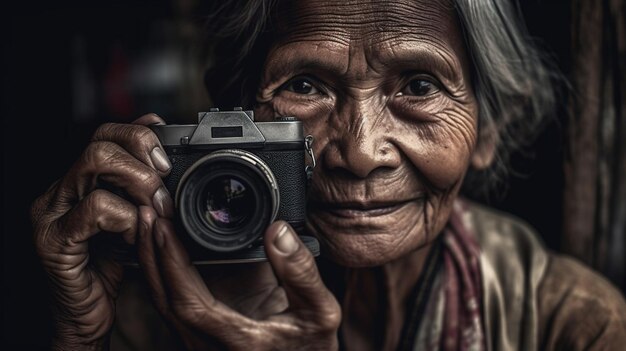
(406, 100)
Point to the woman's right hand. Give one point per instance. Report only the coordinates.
(84, 285)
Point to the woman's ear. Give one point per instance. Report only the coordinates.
(485, 149)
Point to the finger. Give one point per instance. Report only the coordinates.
(97, 212)
(150, 119)
(109, 163)
(295, 267)
(64, 245)
(111, 273)
(137, 140)
(189, 298)
(40, 209)
(150, 268)
(147, 258)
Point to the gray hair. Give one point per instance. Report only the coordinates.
(512, 80)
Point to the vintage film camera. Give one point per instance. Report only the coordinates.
(231, 178)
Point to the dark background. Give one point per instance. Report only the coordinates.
(70, 66)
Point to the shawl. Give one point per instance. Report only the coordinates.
(447, 304)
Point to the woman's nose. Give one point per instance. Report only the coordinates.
(362, 144)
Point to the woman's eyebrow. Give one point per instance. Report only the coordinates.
(281, 65)
(404, 56)
(421, 56)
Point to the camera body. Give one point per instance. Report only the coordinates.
(231, 177)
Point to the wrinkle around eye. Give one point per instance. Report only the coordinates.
(420, 108)
(282, 106)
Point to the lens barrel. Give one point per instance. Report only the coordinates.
(227, 199)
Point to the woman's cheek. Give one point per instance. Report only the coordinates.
(439, 150)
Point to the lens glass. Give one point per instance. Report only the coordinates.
(227, 199)
(228, 203)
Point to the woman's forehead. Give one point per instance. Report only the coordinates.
(353, 37)
(365, 20)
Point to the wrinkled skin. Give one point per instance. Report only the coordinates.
(74, 210)
(385, 90)
(379, 143)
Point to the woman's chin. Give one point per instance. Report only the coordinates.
(368, 250)
(368, 242)
(357, 238)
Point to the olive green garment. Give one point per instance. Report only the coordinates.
(534, 299)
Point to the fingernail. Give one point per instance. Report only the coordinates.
(159, 236)
(163, 204)
(159, 123)
(285, 242)
(160, 160)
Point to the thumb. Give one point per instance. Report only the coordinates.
(296, 269)
(149, 119)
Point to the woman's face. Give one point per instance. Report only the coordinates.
(384, 88)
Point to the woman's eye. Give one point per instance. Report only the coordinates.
(419, 87)
(302, 86)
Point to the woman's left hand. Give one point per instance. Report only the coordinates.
(289, 309)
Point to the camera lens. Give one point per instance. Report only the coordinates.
(226, 199)
(227, 202)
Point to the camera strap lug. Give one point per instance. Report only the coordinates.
(308, 146)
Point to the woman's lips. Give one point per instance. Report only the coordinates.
(361, 211)
(362, 218)
(356, 210)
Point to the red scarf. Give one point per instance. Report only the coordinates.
(462, 327)
(450, 315)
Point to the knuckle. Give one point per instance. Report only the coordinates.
(102, 207)
(95, 207)
(150, 178)
(141, 137)
(129, 135)
(42, 207)
(332, 316)
(40, 227)
(44, 238)
(142, 133)
(98, 152)
(305, 267)
(103, 131)
(41, 219)
(97, 202)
